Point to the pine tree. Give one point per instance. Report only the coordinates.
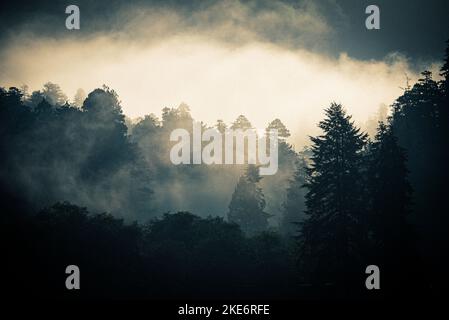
(443, 110)
(282, 130)
(53, 94)
(332, 236)
(388, 184)
(221, 126)
(79, 98)
(247, 204)
(174, 118)
(444, 72)
(294, 205)
(275, 186)
(390, 204)
(420, 121)
(241, 123)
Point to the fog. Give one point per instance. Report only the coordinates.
(263, 59)
(223, 60)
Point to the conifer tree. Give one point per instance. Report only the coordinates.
(79, 98)
(392, 238)
(282, 130)
(444, 72)
(247, 204)
(332, 236)
(241, 123)
(275, 186)
(294, 205)
(420, 121)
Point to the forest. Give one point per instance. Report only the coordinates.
(82, 184)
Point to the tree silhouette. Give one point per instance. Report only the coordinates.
(332, 236)
(444, 72)
(221, 126)
(247, 204)
(282, 130)
(294, 205)
(53, 94)
(420, 122)
(393, 240)
(79, 98)
(275, 186)
(241, 123)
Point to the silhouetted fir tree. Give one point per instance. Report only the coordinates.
(53, 94)
(415, 115)
(112, 155)
(393, 240)
(174, 118)
(415, 122)
(443, 111)
(419, 121)
(221, 126)
(444, 72)
(147, 134)
(294, 204)
(247, 204)
(241, 123)
(332, 236)
(443, 177)
(43, 108)
(10, 98)
(34, 99)
(275, 186)
(282, 130)
(79, 98)
(105, 122)
(389, 186)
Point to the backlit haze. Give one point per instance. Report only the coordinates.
(220, 68)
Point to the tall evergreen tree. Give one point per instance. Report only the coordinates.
(443, 111)
(241, 123)
(221, 126)
(294, 205)
(247, 204)
(276, 124)
(275, 186)
(332, 236)
(53, 94)
(79, 98)
(110, 154)
(388, 184)
(444, 72)
(394, 248)
(420, 121)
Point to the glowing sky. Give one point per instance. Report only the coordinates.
(160, 60)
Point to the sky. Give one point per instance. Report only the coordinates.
(264, 59)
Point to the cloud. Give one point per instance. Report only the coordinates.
(264, 59)
(232, 21)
